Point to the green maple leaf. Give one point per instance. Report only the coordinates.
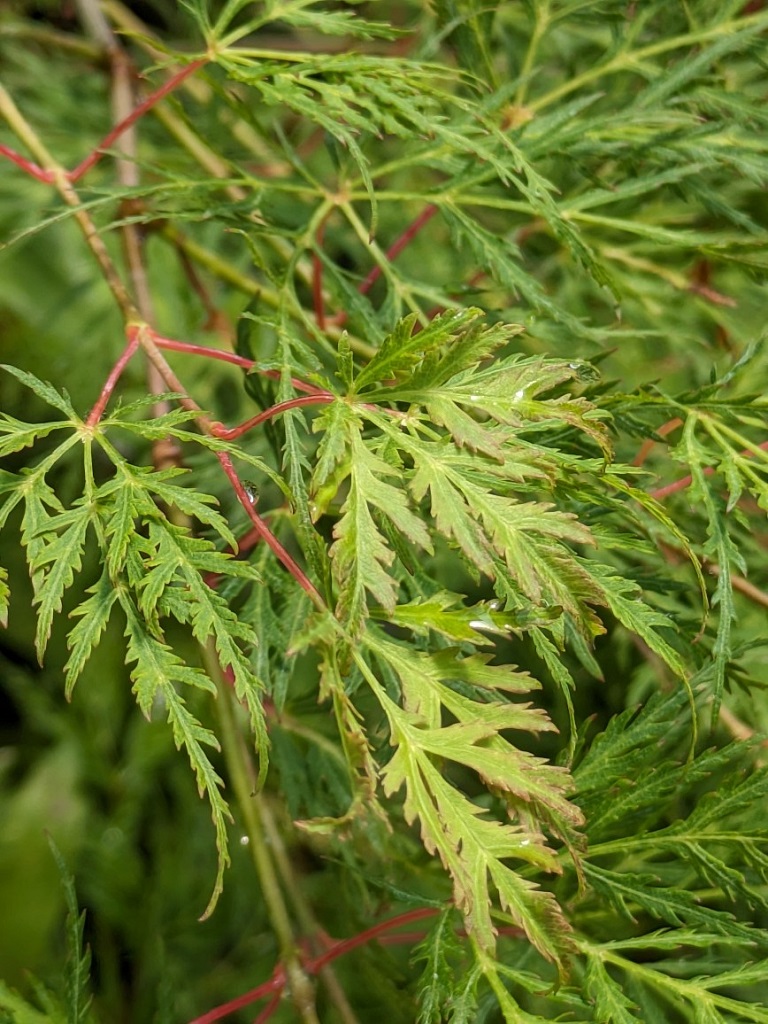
(360, 554)
(473, 847)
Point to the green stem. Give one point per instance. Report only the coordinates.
(628, 61)
(381, 260)
(251, 805)
(542, 23)
(303, 911)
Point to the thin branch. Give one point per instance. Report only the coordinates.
(57, 175)
(647, 446)
(202, 350)
(397, 246)
(240, 769)
(230, 357)
(346, 945)
(273, 987)
(172, 83)
(109, 386)
(680, 485)
(275, 410)
(269, 1009)
(166, 452)
(31, 169)
(277, 982)
(306, 920)
(266, 534)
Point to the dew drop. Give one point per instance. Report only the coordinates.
(474, 398)
(244, 840)
(520, 394)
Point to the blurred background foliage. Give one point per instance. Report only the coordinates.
(659, 161)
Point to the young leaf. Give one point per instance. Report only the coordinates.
(43, 390)
(611, 1004)
(93, 615)
(78, 958)
(57, 561)
(156, 673)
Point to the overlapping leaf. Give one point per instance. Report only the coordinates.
(472, 846)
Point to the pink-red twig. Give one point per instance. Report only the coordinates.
(31, 168)
(313, 965)
(173, 82)
(47, 176)
(273, 987)
(266, 534)
(647, 446)
(269, 1009)
(679, 485)
(230, 357)
(397, 246)
(109, 386)
(391, 254)
(275, 410)
(202, 350)
(346, 945)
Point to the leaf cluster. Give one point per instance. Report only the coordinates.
(497, 272)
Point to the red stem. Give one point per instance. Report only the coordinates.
(202, 350)
(274, 986)
(230, 357)
(275, 410)
(109, 386)
(277, 982)
(172, 83)
(96, 154)
(266, 534)
(26, 165)
(314, 965)
(397, 247)
(345, 945)
(647, 446)
(269, 1009)
(679, 485)
(392, 253)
